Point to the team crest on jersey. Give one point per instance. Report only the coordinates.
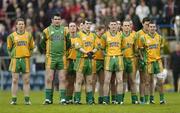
(52, 32)
(84, 38)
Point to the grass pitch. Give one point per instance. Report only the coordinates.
(37, 98)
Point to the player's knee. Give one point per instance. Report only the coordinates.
(89, 82)
(107, 82)
(26, 81)
(15, 80)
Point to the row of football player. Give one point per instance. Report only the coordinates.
(82, 55)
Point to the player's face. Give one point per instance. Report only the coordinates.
(72, 27)
(81, 26)
(20, 26)
(146, 25)
(113, 26)
(131, 25)
(56, 20)
(126, 26)
(100, 32)
(87, 26)
(152, 28)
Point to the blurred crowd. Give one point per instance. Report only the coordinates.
(37, 13)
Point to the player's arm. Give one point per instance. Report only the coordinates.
(141, 47)
(42, 45)
(9, 44)
(68, 41)
(103, 38)
(95, 45)
(31, 44)
(79, 47)
(123, 43)
(136, 44)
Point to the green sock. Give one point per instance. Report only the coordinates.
(123, 95)
(14, 99)
(69, 98)
(77, 96)
(119, 97)
(133, 98)
(151, 98)
(100, 100)
(48, 94)
(136, 97)
(161, 97)
(89, 97)
(146, 98)
(142, 99)
(26, 98)
(113, 97)
(106, 99)
(62, 93)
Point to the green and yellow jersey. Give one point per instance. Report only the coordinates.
(99, 55)
(152, 45)
(54, 41)
(113, 43)
(129, 45)
(72, 50)
(87, 42)
(20, 45)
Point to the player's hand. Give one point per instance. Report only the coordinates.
(90, 55)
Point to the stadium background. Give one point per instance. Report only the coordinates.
(37, 15)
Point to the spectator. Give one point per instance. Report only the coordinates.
(142, 10)
(175, 63)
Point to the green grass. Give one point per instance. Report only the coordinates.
(37, 97)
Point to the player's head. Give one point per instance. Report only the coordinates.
(131, 25)
(87, 25)
(100, 30)
(152, 27)
(126, 25)
(72, 27)
(20, 24)
(56, 19)
(118, 25)
(145, 23)
(113, 25)
(80, 24)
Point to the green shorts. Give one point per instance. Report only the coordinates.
(70, 69)
(114, 63)
(18, 65)
(84, 66)
(98, 65)
(130, 65)
(155, 67)
(59, 63)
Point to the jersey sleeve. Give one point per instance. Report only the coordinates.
(162, 41)
(9, 43)
(68, 41)
(31, 43)
(103, 38)
(78, 43)
(141, 42)
(42, 45)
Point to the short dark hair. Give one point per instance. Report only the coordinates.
(151, 22)
(146, 19)
(126, 20)
(55, 14)
(100, 27)
(19, 19)
(111, 19)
